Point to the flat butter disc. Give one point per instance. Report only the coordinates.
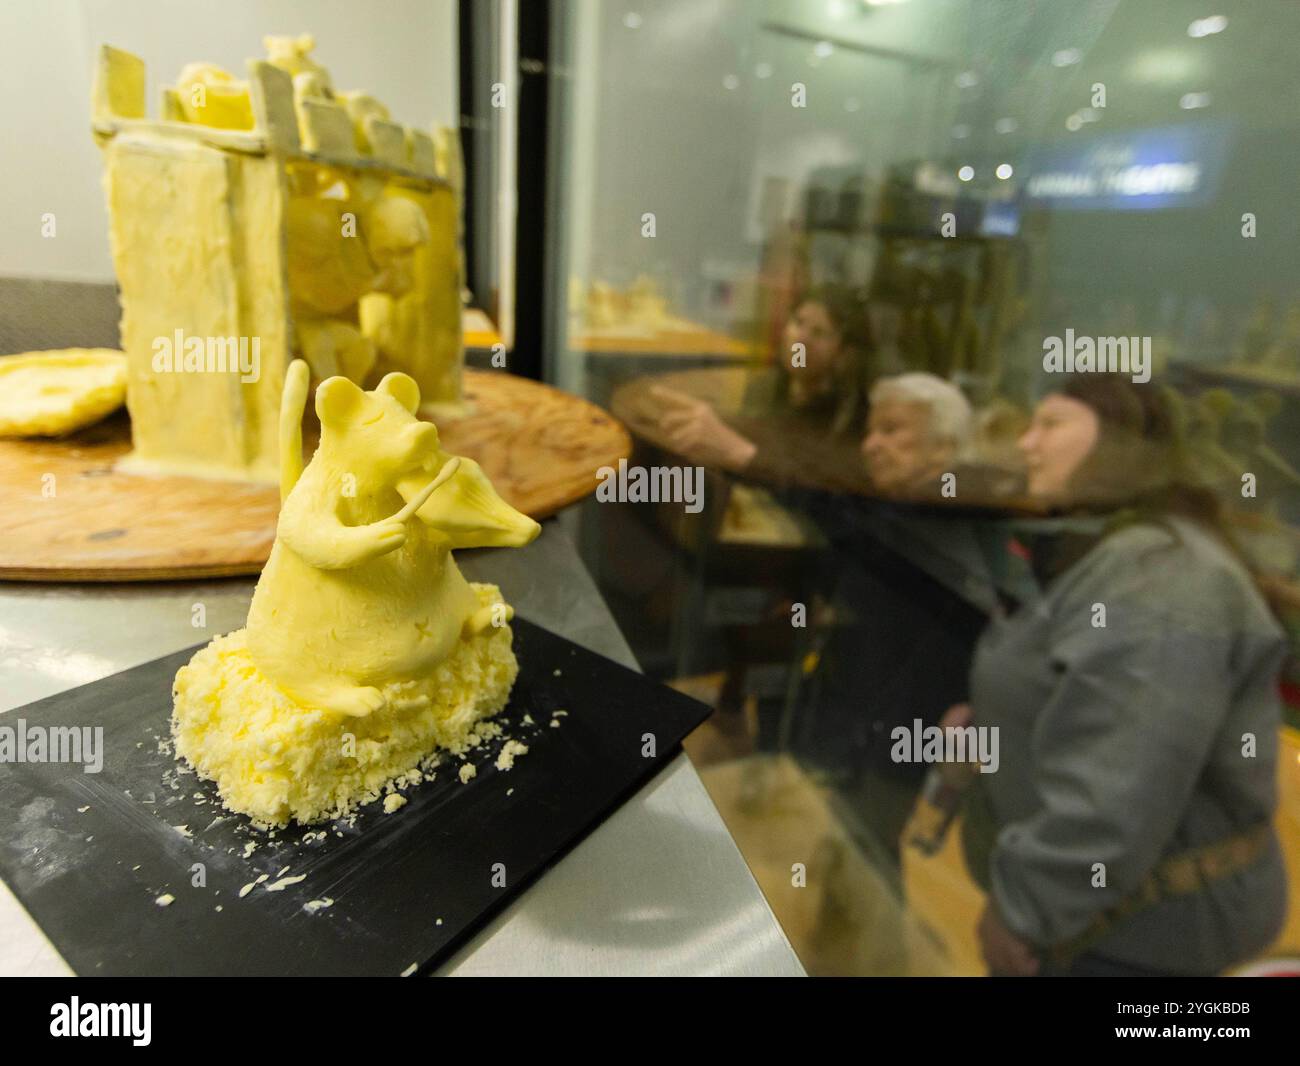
(47, 394)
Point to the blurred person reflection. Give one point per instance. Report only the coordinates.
(1128, 827)
(801, 418)
(925, 443)
(901, 640)
(919, 426)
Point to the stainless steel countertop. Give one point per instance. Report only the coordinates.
(658, 888)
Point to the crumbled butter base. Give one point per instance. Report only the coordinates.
(277, 761)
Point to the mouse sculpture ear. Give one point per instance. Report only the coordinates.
(336, 399)
(402, 388)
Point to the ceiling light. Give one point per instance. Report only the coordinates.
(1170, 67)
(1066, 57)
(966, 173)
(1206, 26)
(1004, 171)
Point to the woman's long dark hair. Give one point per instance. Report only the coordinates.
(853, 375)
(1139, 470)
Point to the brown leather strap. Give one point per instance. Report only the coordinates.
(1179, 875)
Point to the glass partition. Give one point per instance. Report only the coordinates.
(958, 344)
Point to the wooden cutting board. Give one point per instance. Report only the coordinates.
(67, 515)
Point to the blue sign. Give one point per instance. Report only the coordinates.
(1137, 170)
(1001, 219)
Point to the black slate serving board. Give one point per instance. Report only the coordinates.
(90, 878)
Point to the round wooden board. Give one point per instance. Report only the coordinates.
(67, 515)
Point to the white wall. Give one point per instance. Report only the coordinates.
(402, 51)
(675, 118)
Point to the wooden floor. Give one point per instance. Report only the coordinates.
(841, 915)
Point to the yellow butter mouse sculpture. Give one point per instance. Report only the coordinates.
(361, 589)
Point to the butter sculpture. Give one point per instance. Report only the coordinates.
(48, 394)
(261, 219)
(361, 625)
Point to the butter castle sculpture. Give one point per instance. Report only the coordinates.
(262, 219)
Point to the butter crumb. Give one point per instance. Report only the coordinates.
(314, 905)
(394, 802)
(165, 900)
(83, 810)
(467, 771)
(246, 889)
(285, 882)
(410, 970)
(249, 848)
(511, 750)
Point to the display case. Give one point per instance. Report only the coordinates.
(951, 190)
(299, 231)
(756, 487)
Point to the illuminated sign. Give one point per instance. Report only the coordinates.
(1140, 170)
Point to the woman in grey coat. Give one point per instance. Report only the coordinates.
(1127, 828)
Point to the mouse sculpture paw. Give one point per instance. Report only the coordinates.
(357, 702)
(361, 544)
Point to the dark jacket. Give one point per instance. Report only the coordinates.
(816, 446)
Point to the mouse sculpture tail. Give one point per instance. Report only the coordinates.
(293, 402)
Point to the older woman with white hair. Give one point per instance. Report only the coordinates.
(919, 428)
